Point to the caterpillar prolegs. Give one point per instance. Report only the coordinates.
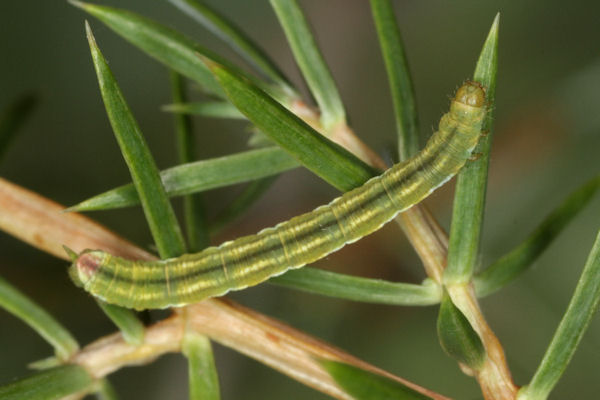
(249, 260)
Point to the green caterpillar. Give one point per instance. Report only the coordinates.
(249, 260)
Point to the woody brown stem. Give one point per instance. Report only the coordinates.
(41, 223)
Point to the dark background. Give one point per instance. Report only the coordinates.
(546, 144)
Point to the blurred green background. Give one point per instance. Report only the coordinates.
(547, 141)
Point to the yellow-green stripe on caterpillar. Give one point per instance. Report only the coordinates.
(249, 260)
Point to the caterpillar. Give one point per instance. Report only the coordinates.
(249, 260)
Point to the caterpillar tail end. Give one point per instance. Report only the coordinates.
(85, 266)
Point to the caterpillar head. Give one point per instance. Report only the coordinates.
(471, 94)
(85, 266)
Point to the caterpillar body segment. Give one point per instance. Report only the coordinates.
(249, 260)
